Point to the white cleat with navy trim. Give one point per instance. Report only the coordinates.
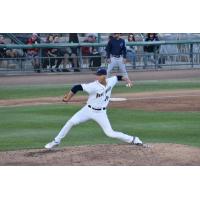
(137, 141)
(51, 145)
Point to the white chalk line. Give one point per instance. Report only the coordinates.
(127, 99)
(163, 97)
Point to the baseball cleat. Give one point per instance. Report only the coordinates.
(137, 141)
(51, 145)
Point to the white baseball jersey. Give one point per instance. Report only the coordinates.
(99, 95)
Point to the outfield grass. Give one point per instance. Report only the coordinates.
(33, 126)
(33, 91)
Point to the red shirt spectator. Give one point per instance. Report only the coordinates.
(86, 51)
(33, 40)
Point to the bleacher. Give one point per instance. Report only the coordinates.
(172, 52)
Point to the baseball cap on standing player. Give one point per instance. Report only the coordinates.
(101, 71)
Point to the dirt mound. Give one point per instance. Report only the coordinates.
(106, 155)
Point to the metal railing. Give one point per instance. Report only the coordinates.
(171, 55)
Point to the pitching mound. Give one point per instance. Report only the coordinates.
(102, 155)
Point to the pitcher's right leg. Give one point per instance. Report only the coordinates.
(79, 117)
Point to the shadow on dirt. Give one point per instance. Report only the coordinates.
(42, 152)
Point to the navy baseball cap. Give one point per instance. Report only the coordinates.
(101, 71)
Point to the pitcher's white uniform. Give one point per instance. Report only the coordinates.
(95, 109)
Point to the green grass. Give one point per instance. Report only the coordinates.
(33, 126)
(33, 91)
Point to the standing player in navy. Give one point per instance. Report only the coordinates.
(99, 95)
(116, 54)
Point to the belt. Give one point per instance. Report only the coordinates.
(116, 56)
(96, 108)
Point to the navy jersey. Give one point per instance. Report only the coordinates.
(116, 48)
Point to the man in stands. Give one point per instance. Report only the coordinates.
(70, 54)
(33, 54)
(2, 51)
(151, 51)
(86, 50)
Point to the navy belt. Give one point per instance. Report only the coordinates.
(116, 56)
(96, 108)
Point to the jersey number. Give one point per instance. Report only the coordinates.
(106, 99)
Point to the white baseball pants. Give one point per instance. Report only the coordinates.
(117, 62)
(100, 117)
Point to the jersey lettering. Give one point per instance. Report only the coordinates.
(109, 88)
(106, 99)
(99, 95)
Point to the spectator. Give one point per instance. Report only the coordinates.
(2, 51)
(65, 53)
(95, 59)
(47, 61)
(33, 54)
(8, 56)
(52, 56)
(93, 35)
(131, 50)
(73, 38)
(22, 37)
(72, 53)
(14, 56)
(86, 50)
(58, 54)
(151, 51)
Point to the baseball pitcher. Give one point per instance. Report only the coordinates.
(99, 95)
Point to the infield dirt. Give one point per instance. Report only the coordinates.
(106, 155)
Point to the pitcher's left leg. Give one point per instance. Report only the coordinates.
(102, 120)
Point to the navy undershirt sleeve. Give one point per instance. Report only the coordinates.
(119, 78)
(76, 88)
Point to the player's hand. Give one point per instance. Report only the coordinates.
(108, 60)
(124, 60)
(65, 98)
(129, 83)
(68, 96)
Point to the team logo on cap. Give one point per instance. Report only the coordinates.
(101, 71)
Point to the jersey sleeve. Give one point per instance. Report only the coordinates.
(113, 80)
(89, 87)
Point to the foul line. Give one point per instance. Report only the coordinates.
(163, 97)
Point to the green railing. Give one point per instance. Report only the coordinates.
(189, 54)
(61, 45)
